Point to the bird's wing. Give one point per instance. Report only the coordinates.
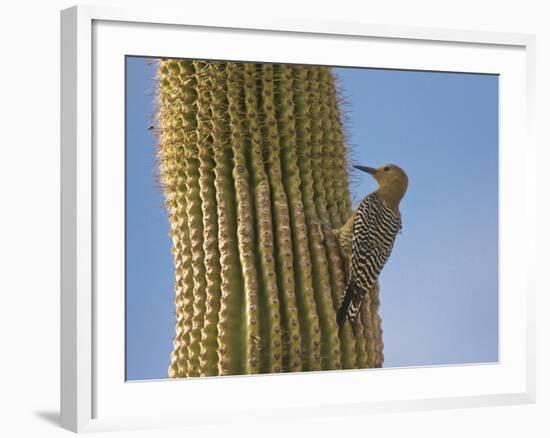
(374, 232)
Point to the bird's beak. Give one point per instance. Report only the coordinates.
(370, 170)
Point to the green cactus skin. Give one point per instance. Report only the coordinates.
(171, 153)
(331, 142)
(168, 175)
(270, 324)
(209, 337)
(321, 145)
(328, 162)
(252, 160)
(330, 344)
(231, 306)
(245, 212)
(184, 296)
(196, 234)
(368, 329)
(361, 344)
(292, 344)
(376, 322)
(307, 309)
(341, 210)
(343, 196)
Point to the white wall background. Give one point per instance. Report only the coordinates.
(29, 217)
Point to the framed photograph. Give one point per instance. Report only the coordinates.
(277, 218)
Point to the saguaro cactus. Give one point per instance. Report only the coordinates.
(252, 159)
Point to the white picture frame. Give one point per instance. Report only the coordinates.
(94, 395)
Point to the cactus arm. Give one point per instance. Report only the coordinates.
(283, 248)
(309, 321)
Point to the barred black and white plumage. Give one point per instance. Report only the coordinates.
(375, 228)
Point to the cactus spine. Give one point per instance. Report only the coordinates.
(252, 159)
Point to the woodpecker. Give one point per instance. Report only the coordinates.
(372, 230)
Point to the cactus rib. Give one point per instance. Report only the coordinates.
(330, 346)
(281, 220)
(309, 320)
(245, 225)
(269, 297)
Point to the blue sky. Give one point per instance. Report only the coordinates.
(439, 291)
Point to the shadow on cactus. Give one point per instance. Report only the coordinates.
(253, 164)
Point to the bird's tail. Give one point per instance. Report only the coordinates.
(345, 305)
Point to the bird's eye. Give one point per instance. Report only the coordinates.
(386, 169)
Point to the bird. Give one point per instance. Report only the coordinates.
(371, 230)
